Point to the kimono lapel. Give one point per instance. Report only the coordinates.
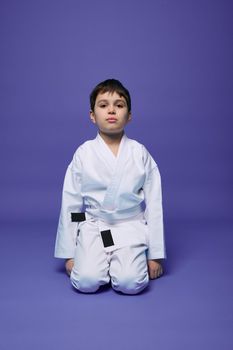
(118, 171)
(106, 154)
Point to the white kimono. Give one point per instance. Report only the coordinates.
(111, 191)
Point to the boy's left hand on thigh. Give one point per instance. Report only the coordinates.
(155, 268)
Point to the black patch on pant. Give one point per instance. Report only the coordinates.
(107, 238)
(78, 217)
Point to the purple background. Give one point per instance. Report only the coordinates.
(175, 57)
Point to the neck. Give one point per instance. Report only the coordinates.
(112, 139)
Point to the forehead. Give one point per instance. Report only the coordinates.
(110, 96)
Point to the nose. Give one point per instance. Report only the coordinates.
(111, 109)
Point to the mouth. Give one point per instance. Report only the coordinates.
(112, 120)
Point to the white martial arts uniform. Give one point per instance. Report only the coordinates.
(111, 190)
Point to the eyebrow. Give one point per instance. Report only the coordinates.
(116, 101)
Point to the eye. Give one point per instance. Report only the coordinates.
(120, 105)
(103, 105)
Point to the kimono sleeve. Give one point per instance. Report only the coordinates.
(154, 211)
(72, 202)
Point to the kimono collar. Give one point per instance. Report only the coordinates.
(104, 144)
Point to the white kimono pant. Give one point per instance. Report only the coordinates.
(94, 265)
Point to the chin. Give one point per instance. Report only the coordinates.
(112, 132)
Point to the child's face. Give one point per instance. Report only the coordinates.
(110, 113)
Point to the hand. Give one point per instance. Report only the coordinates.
(69, 265)
(154, 268)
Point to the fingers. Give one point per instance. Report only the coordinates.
(156, 274)
(155, 271)
(159, 272)
(69, 265)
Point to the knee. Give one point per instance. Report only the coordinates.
(86, 282)
(130, 284)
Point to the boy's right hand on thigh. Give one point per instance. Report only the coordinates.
(69, 265)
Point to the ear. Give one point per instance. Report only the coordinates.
(92, 116)
(129, 117)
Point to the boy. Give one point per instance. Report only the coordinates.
(103, 232)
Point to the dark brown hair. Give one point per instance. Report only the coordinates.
(110, 85)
